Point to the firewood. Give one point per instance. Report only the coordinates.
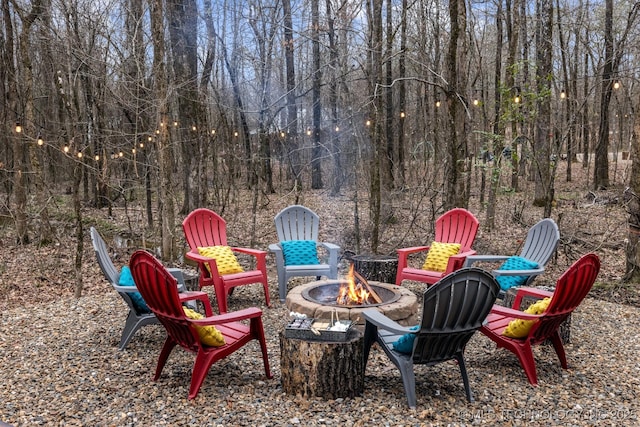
(364, 281)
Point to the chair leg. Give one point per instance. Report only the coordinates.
(408, 382)
(265, 285)
(131, 326)
(559, 347)
(465, 377)
(525, 355)
(169, 344)
(200, 369)
(282, 286)
(370, 335)
(257, 330)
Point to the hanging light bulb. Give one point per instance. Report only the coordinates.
(65, 149)
(517, 99)
(96, 158)
(563, 94)
(309, 132)
(213, 131)
(616, 85)
(120, 154)
(133, 151)
(235, 133)
(437, 103)
(18, 127)
(337, 128)
(175, 124)
(402, 115)
(368, 123)
(142, 145)
(79, 154)
(40, 141)
(282, 134)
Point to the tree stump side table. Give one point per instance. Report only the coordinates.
(527, 300)
(377, 268)
(327, 369)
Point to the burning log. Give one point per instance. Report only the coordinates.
(364, 281)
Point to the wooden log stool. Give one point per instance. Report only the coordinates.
(527, 300)
(327, 369)
(377, 268)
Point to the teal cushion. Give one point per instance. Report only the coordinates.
(126, 279)
(300, 252)
(404, 344)
(514, 263)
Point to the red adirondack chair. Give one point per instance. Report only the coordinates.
(571, 288)
(205, 228)
(159, 290)
(455, 226)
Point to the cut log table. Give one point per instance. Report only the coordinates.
(327, 369)
(377, 268)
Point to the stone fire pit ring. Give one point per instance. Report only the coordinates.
(403, 308)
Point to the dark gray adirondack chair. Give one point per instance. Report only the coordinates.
(540, 244)
(453, 310)
(136, 318)
(300, 223)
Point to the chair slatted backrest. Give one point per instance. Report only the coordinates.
(571, 288)
(453, 310)
(109, 270)
(203, 228)
(297, 222)
(457, 226)
(541, 241)
(160, 291)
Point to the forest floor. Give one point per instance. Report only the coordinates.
(60, 364)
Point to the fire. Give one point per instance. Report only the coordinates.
(352, 292)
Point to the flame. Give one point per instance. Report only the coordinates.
(352, 293)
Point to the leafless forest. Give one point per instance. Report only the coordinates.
(394, 111)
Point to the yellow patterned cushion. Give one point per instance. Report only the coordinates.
(438, 256)
(209, 335)
(225, 259)
(519, 328)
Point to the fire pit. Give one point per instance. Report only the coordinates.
(326, 298)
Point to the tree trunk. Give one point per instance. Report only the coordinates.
(601, 166)
(544, 72)
(316, 171)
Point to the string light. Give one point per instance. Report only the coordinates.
(65, 149)
(96, 158)
(157, 131)
(368, 123)
(517, 98)
(133, 151)
(175, 124)
(142, 145)
(40, 141)
(282, 134)
(402, 115)
(193, 128)
(437, 103)
(337, 129)
(79, 154)
(235, 133)
(213, 131)
(120, 154)
(563, 94)
(18, 128)
(616, 85)
(309, 132)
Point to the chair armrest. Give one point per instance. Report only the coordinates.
(234, 316)
(413, 250)
(532, 292)
(532, 272)
(510, 312)
(484, 258)
(329, 246)
(275, 247)
(457, 261)
(258, 253)
(383, 322)
(125, 289)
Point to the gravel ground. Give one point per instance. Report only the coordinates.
(60, 365)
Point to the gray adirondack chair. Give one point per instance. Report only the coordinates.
(454, 308)
(540, 244)
(136, 319)
(297, 222)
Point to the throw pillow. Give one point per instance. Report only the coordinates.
(404, 344)
(225, 259)
(209, 335)
(519, 328)
(438, 256)
(126, 279)
(514, 263)
(300, 252)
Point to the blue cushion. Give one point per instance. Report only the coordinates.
(300, 252)
(126, 279)
(404, 344)
(514, 263)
